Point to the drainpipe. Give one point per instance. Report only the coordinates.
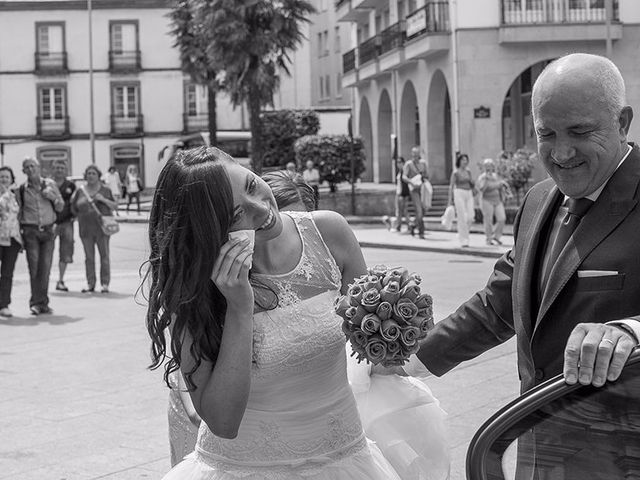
(454, 53)
(92, 133)
(608, 12)
(394, 116)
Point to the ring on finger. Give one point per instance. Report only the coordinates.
(611, 342)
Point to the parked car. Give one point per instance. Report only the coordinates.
(563, 432)
(236, 143)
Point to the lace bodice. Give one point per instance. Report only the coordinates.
(300, 407)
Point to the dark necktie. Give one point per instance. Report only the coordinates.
(577, 208)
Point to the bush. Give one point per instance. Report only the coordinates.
(280, 129)
(516, 169)
(332, 155)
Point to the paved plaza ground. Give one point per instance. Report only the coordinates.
(79, 402)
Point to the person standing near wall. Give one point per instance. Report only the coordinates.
(64, 221)
(112, 180)
(133, 186)
(492, 189)
(311, 175)
(415, 173)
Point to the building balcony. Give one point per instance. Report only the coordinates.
(195, 123)
(423, 33)
(50, 63)
(125, 61)
(52, 128)
(354, 10)
(558, 21)
(123, 127)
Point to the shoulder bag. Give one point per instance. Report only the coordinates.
(108, 223)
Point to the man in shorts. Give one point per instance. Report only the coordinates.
(64, 221)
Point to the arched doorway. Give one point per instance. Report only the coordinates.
(439, 130)
(385, 172)
(367, 139)
(517, 127)
(409, 120)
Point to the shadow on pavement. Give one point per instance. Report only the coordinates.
(38, 320)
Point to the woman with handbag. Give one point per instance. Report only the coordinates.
(493, 190)
(89, 204)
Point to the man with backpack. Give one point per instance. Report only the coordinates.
(39, 200)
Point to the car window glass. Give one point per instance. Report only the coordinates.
(588, 433)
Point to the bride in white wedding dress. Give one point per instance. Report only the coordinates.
(271, 386)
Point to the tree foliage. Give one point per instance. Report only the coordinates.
(250, 42)
(332, 154)
(280, 130)
(192, 42)
(516, 167)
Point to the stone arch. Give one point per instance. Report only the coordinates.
(409, 120)
(385, 129)
(366, 132)
(439, 130)
(517, 126)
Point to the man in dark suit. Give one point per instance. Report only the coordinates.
(570, 287)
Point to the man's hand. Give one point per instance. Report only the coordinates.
(595, 353)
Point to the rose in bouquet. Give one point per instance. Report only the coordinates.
(385, 315)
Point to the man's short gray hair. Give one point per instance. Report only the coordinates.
(614, 96)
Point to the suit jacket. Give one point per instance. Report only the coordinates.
(607, 238)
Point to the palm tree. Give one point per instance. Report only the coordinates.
(251, 41)
(192, 40)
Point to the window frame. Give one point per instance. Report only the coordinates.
(114, 23)
(60, 24)
(50, 86)
(121, 84)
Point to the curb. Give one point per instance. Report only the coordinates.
(456, 250)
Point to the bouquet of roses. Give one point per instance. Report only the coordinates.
(385, 315)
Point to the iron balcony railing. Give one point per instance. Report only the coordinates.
(51, 62)
(526, 12)
(369, 49)
(349, 61)
(52, 128)
(126, 126)
(195, 123)
(392, 37)
(127, 61)
(431, 18)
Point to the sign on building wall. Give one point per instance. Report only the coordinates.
(416, 23)
(482, 112)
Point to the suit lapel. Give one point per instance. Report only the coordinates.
(527, 271)
(614, 204)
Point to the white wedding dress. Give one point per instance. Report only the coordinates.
(301, 420)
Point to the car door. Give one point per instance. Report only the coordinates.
(563, 432)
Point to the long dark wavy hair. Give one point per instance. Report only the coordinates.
(190, 218)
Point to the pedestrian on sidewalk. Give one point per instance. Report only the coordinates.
(39, 200)
(493, 191)
(10, 238)
(64, 221)
(133, 186)
(113, 181)
(94, 194)
(402, 198)
(461, 191)
(415, 172)
(311, 176)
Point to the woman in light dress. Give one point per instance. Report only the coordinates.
(10, 238)
(271, 386)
